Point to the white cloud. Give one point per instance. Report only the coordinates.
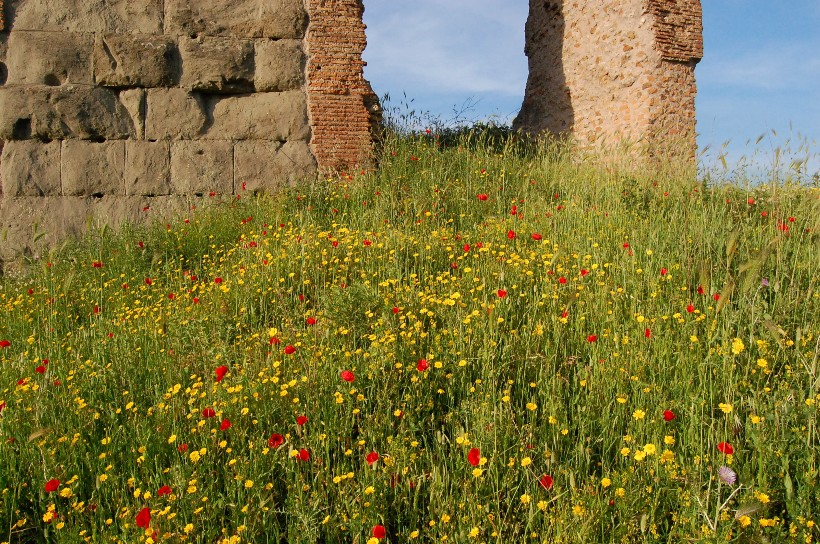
(467, 47)
(789, 68)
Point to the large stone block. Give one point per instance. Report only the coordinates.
(49, 58)
(266, 166)
(123, 60)
(148, 168)
(217, 64)
(68, 111)
(122, 16)
(243, 18)
(201, 167)
(260, 116)
(280, 65)
(31, 168)
(93, 169)
(133, 100)
(174, 114)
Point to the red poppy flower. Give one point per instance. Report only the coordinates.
(663, 271)
(164, 490)
(97, 264)
(716, 296)
(171, 296)
(474, 457)
(584, 272)
(144, 518)
(348, 376)
(725, 447)
(220, 372)
(514, 210)
(511, 234)
(225, 425)
(501, 293)
(592, 338)
(148, 281)
(52, 485)
(700, 289)
(274, 341)
(537, 237)
(275, 440)
(422, 365)
(196, 300)
(4, 343)
(290, 350)
(367, 243)
(40, 369)
(626, 245)
(304, 455)
(301, 420)
(395, 309)
(647, 333)
(2, 406)
(372, 457)
(217, 280)
(208, 412)
(378, 531)
(562, 280)
(546, 481)
(668, 415)
(182, 448)
(750, 201)
(481, 196)
(690, 308)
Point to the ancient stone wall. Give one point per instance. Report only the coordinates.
(605, 71)
(118, 109)
(126, 109)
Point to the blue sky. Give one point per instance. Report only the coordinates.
(760, 72)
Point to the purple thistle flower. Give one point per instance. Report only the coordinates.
(727, 475)
(764, 282)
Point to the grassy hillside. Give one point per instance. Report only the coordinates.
(478, 343)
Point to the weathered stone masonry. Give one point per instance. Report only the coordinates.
(125, 109)
(609, 70)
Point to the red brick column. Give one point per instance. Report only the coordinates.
(341, 104)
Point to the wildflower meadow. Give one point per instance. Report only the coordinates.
(469, 343)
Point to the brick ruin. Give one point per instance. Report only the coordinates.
(606, 71)
(115, 110)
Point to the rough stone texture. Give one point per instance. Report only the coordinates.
(49, 58)
(260, 116)
(280, 65)
(68, 111)
(266, 166)
(343, 108)
(31, 168)
(148, 168)
(173, 114)
(133, 100)
(201, 167)
(121, 16)
(92, 169)
(240, 18)
(122, 60)
(218, 64)
(605, 79)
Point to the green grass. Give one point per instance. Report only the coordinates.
(562, 322)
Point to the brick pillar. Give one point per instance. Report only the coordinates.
(605, 71)
(342, 106)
